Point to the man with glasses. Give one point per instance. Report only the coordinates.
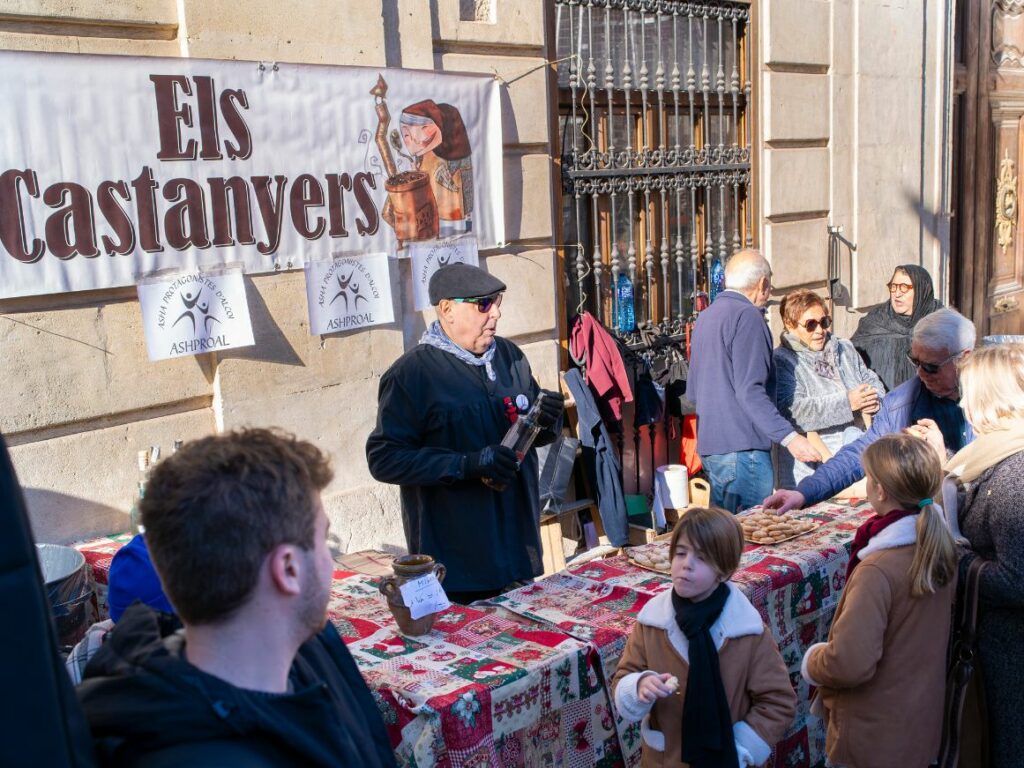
(730, 366)
(925, 403)
(443, 408)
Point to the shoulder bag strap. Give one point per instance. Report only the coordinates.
(962, 664)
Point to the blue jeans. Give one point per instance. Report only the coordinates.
(739, 480)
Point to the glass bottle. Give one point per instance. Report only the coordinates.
(519, 438)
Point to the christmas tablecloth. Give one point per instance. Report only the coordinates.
(98, 554)
(484, 688)
(794, 585)
(521, 681)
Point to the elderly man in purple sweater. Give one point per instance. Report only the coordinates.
(730, 366)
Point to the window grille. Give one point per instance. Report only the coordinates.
(655, 130)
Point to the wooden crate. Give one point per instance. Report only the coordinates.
(551, 542)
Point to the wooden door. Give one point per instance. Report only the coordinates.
(987, 264)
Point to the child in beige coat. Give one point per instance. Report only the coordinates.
(881, 675)
(700, 671)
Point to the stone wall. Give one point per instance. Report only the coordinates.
(851, 97)
(849, 94)
(81, 396)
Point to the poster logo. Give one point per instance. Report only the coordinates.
(429, 257)
(348, 293)
(194, 312)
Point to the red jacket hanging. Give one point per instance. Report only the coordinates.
(603, 368)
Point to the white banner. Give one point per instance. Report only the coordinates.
(348, 292)
(427, 258)
(115, 166)
(188, 313)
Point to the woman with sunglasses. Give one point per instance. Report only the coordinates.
(822, 385)
(883, 335)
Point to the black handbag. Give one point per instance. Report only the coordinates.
(963, 667)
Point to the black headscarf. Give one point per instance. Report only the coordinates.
(708, 741)
(883, 336)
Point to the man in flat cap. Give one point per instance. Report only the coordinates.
(443, 408)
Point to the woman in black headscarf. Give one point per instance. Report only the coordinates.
(883, 336)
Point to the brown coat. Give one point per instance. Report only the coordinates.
(761, 698)
(881, 675)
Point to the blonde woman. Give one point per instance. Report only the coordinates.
(882, 674)
(990, 473)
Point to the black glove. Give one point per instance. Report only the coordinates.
(551, 406)
(495, 462)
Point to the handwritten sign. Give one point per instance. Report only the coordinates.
(424, 596)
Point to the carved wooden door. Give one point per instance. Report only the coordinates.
(987, 265)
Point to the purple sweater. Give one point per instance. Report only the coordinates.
(730, 367)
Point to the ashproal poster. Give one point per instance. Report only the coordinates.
(188, 313)
(348, 292)
(428, 257)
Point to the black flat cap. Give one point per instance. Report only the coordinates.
(462, 281)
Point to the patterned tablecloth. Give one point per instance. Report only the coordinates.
(98, 554)
(520, 681)
(794, 585)
(485, 687)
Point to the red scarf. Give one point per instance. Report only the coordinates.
(873, 526)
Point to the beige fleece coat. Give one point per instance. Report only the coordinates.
(882, 673)
(761, 698)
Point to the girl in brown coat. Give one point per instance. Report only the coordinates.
(700, 671)
(881, 675)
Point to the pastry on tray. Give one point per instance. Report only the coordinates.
(767, 528)
(658, 559)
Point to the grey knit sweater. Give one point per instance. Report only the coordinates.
(992, 518)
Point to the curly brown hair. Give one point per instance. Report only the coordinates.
(795, 303)
(215, 509)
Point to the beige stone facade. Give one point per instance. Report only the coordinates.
(850, 116)
(846, 94)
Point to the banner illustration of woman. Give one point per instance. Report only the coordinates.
(439, 185)
(435, 136)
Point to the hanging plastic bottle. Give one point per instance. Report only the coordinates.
(717, 281)
(625, 321)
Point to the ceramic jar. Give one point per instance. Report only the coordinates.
(406, 568)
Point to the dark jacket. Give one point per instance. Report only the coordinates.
(600, 461)
(147, 706)
(900, 408)
(41, 723)
(730, 369)
(432, 410)
(992, 518)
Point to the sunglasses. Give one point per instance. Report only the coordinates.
(931, 368)
(812, 325)
(900, 287)
(483, 303)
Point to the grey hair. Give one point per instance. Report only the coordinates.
(945, 329)
(742, 274)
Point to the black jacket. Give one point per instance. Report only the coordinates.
(148, 707)
(41, 723)
(433, 409)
